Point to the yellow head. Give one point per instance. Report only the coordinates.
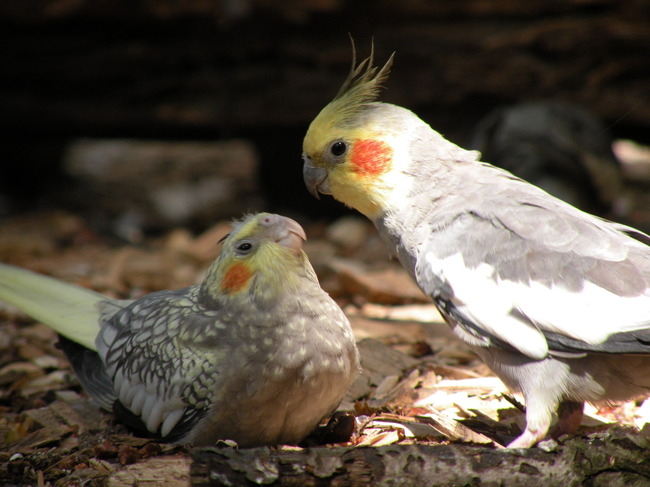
(261, 258)
(351, 147)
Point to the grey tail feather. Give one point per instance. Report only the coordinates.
(90, 371)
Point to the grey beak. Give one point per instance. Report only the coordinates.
(315, 179)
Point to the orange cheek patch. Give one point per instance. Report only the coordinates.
(235, 278)
(370, 157)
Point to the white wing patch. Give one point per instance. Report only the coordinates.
(591, 315)
(147, 403)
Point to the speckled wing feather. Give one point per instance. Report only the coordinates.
(160, 373)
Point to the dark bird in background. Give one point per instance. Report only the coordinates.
(557, 146)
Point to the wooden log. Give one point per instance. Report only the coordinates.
(617, 457)
(171, 471)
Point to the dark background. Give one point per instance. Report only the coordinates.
(262, 69)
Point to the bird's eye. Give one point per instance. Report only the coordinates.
(338, 148)
(244, 248)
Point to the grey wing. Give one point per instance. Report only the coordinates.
(160, 382)
(540, 277)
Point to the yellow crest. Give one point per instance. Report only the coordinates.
(361, 87)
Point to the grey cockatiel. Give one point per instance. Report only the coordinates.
(554, 300)
(257, 353)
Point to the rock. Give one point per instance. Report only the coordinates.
(137, 185)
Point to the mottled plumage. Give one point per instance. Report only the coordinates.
(556, 301)
(257, 353)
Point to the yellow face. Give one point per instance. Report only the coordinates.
(345, 153)
(263, 251)
(351, 165)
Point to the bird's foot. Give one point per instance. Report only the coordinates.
(529, 438)
(569, 419)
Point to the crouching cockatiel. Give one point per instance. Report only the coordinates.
(554, 300)
(257, 353)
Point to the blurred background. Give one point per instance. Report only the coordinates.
(133, 131)
(142, 115)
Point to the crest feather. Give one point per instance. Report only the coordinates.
(361, 88)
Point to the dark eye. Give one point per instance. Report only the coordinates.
(244, 247)
(338, 148)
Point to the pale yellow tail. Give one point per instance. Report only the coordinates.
(70, 310)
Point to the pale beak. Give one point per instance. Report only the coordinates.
(285, 231)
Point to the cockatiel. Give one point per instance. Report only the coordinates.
(257, 353)
(554, 300)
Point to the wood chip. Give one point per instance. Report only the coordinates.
(454, 372)
(388, 332)
(80, 415)
(425, 313)
(50, 382)
(387, 286)
(10, 373)
(40, 437)
(454, 430)
(377, 361)
(171, 471)
(412, 426)
(380, 437)
(399, 395)
(478, 385)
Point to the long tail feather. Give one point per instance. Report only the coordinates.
(70, 310)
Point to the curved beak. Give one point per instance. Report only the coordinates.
(284, 231)
(292, 236)
(315, 178)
